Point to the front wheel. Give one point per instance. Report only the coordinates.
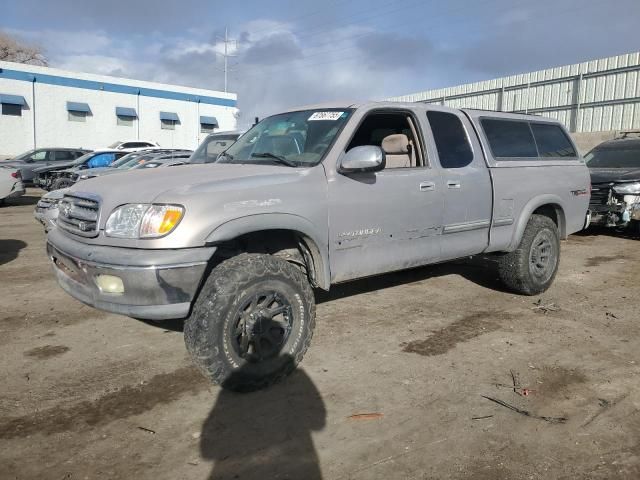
(61, 183)
(252, 322)
(531, 268)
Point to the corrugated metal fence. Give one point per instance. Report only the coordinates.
(599, 95)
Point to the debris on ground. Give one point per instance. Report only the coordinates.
(611, 315)
(516, 386)
(365, 416)
(526, 413)
(544, 307)
(481, 418)
(148, 430)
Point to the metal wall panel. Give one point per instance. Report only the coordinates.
(597, 95)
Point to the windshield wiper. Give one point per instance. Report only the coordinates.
(276, 158)
(226, 155)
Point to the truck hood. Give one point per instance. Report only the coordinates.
(169, 184)
(614, 175)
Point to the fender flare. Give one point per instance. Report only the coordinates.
(280, 221)
(525, 214)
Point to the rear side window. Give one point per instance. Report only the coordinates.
(64, 155)
(552, 141)
(451, 140)
(509, 139)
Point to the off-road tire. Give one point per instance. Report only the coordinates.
(209, 330)
(59, 183)
(517, 269)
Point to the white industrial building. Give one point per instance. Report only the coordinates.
(593, 99)
(47, 107)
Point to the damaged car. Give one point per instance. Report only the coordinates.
(615, 183)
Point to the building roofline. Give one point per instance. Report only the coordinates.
(53, 76)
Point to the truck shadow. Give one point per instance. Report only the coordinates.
(9, 250)
(609, 232)
(481, 271)
(265, 434)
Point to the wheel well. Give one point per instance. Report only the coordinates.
(555, 213)
(290, 245)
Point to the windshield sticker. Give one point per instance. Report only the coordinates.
(326, 115)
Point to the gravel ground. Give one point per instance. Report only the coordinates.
(410, 375)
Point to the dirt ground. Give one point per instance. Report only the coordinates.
(404, 379)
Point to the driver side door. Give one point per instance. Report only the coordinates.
(391, 219)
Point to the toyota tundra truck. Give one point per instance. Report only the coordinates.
(310, 198)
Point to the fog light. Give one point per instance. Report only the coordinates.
(110, 284)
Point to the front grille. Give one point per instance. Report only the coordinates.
(600, 194)
(79, 215)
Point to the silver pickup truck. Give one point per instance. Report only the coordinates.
(310, 198)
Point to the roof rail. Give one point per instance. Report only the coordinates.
(622, 134)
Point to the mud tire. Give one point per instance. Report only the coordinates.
(61, 183)
(519, 270)
(211, 329)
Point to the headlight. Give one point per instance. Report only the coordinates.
(628, 188)
(141, 220)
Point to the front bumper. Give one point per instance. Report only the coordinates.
(17, 190)
(46, 216)
(158, 284)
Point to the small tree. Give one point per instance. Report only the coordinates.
(13, 51)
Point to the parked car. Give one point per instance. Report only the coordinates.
(311, 198)
(213, 145)
(46, 211)
(27, 162)
(10, 183)
(615, 183)
(136, 160)
(59, 176)
(133, 145)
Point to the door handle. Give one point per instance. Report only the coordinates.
(427, 186)
(453, 184)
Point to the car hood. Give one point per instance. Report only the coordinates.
(57, 166)
(614, 175)
(165, 184)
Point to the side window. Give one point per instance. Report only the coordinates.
(39, 156)
(509, 138)
(552, 141)
(11, 109)
(63, 155)
(451, 140)
(395, 134)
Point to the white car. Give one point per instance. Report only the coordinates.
(10, 183)
(133, 145)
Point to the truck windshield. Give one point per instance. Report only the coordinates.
(613, 157)
(294, 139)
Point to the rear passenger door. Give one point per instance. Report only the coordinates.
(466, 184)
(62, 155)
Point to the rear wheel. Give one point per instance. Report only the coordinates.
(252, 322)
(532, 267)
(61, 183)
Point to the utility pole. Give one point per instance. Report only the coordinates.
(226, 55)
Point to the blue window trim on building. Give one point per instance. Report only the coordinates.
(113, 87)
(12, 99)
(78, 107)
(126, 112)
(169, 116)
(208, 121)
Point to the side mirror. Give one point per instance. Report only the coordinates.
(367, 158)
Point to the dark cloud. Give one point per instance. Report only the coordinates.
(277, 48)
(390, 50)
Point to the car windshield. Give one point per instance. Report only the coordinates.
(125, 159)
(294, 139)
(81, 160)
(211, 147)
(137, 160)
(614, 157)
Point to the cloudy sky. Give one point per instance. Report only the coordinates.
(292, 52)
